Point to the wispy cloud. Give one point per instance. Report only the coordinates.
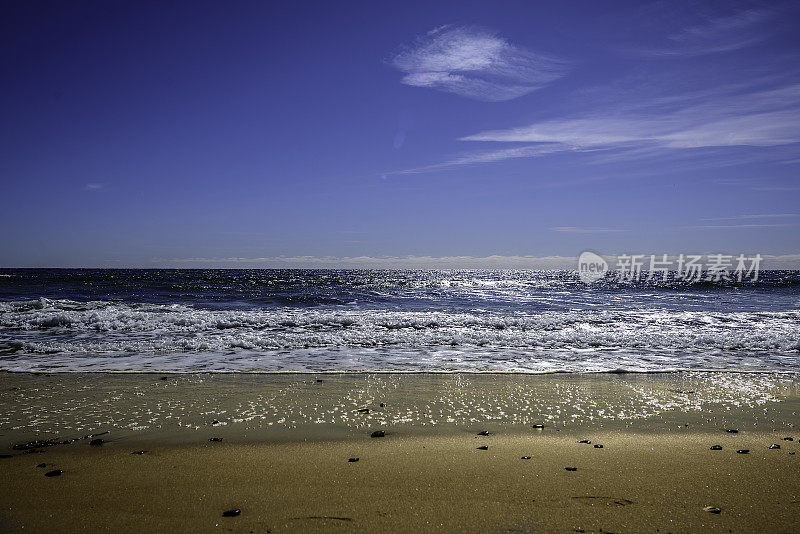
(754, 216)
(475, 63)
(584, 230)
(740, 226)
(756, 118)
(788, 261)
(93, 186)
(714, 35)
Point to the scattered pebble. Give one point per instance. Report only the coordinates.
(571, 468)
(352, 459)
(791, 452)
(54, 473)
(585, 441)
(483, 433)
(732, 431)
(382, 405)
(774, 446)
(378, 434)
(319, 381)
(363, 410)
(231, 513)
(525, 458)
(483, 448)
(6, 455)
(788, 439)
(716, 447)
(538, 426)
(42, 465)
(743, 451)
(138, 452)
(215, 439)
(96, 442)
(598, 446)
(712, 509)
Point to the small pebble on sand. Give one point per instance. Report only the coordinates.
(571, 468)
(712, 509)
(231, 513)
(352, 459)
(483, 448)
(54, 473)
(743, 451)
(378, 434)
(774, 446)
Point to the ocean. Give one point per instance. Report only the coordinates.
(329, 321)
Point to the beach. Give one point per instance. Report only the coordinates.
(139, 457)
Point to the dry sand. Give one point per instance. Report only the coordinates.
(653, 473)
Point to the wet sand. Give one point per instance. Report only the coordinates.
(655, 471)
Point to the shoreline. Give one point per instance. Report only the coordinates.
(285, 442)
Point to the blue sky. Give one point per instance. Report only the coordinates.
(415, 134)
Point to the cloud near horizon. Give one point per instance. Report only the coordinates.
(786, 261)
(475, 63)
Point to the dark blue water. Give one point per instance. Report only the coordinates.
(340, 320)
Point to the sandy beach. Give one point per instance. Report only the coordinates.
(655, 471)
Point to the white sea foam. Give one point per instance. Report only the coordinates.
(68, 335)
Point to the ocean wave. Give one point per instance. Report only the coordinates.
(46, 326)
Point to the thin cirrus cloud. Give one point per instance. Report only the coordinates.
(584, 230)
(715, 35)
(475, 63)
(738, 116)
(751, 216)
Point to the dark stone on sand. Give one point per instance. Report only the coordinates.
(215, 439)
(378, 434)
(743, 451)
(42, 465)
(712, 509)
(54, 473)
(138, 452)
(483, 448)
(382, 405)
(571, 468)
(588, 441)
(96, 442)
(67, 442)
(35, 444)
(363, 410)
(598, 446)
(352, 459)
(791, 452)
(164, 378)
(231, 513)
(716, 447)
(525, 458)
(538, 426)
(483, 433)
(319, 381)
(788, 439)
(6, 455)
(731, 431)
(215, 422)
(774, 446)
